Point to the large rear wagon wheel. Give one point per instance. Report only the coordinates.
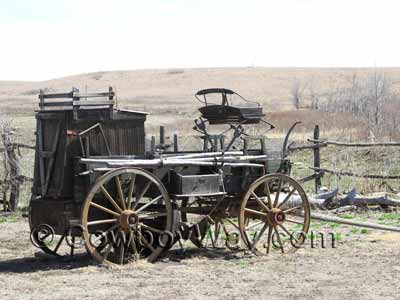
(127, 216)
(274, 215)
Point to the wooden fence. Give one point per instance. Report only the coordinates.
(315, 145)
(11, 179)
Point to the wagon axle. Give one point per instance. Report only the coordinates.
(128, 217)
(276, 217)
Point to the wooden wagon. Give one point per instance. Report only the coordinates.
(94, 180)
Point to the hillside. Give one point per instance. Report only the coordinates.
(151, 90)
(168, 94)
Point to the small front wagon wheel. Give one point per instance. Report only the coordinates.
(127, 216)
(274, 215)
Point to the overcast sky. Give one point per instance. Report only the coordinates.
(44, 39)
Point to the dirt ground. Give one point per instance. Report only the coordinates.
(363, 266)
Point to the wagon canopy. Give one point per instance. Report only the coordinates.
(234, 109)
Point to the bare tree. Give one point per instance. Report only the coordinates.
(367, 97)
(296, 93)
(378, 91)
(313, 94)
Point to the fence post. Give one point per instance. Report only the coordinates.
(176, 142)
(317, 159)
(11, 168)
(14, 177)
(162, 135)
(153, 145)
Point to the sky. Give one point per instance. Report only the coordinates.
(46, 39)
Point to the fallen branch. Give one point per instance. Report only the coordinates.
(354, 144)
(344, 209)
(327, 195)
(322, 217)
(383, 200)
(347, 198)
(296, 200)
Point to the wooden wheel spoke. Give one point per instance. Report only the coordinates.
(255, 212)
(217, 231)
(110, 199)
(293, 208)
(153, 215)
(278, 237)
(269, 239)
(254, 225)
(255, 241)
(268, 192)
(287, 232)
(262, 204)
(120, 192)
(287, 198)
(147, 244)
(133, 244)
(233, 223)
(224, 228)
(139, 197)
(293, 221)
(104, 209)
(105, 221)
(121, 253)
(149, 203)
(278, 192)
(131, 190)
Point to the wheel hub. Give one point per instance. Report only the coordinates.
(276, 216)
(127, 218)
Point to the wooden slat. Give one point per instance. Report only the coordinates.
(49, 170)
(92, 95)
(77, 95)
(41, 159)
(56, 103)
(57, 95)
(92, 102)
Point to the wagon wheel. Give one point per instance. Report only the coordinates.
(44, 238)
(213, 230)
(274, 214)
(127, 216)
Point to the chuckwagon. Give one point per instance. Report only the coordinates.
(94, 179)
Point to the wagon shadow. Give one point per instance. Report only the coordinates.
(45, 263)
(208, 253)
